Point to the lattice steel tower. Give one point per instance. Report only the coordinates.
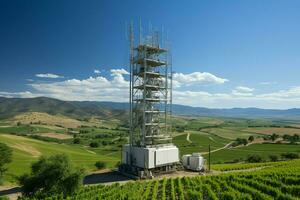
(150, 90)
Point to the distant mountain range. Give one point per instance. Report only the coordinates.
(10, 107)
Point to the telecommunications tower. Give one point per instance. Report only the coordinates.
(150, 149)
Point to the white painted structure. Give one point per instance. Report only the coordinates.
(193, 162)
(150, 157)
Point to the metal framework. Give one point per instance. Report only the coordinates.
(150, 90)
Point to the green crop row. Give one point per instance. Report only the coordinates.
(280, 181)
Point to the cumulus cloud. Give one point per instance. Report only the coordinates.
(180, 79)
(282, 99)
(93, 88)
(116, 87)
(25, 94)
(244, 89)
(117, 72)
(96, 71)
(48, 75)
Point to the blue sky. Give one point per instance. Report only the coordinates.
(225, 53)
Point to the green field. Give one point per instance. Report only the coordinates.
(199, 142)
(230, 133)
(264, 150)
(26, 150)
(203, 131)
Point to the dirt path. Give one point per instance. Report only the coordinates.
(188, 137)
(225, 147)
(92, 152)
(12, 192)
(57, 135)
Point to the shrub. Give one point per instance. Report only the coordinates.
(51, 175)
(292, 139)
(274, 136)
(76, 141)
(251, 138)
(273, 158)
(240, 141)
(100, 164)
(94, 144)
(290, 156)
(254, 159)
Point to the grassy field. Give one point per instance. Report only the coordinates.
(231, 133)
(199, 142)
(271, 130)
(202, 131)
(26, 150)
(263, 150)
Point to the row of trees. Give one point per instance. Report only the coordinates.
(5, 158)
(290, 138)
(285, 156)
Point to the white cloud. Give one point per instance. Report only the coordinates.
(48, 75)
(281, 99)
(245, 94)
(180, 79)
(115, 88)
(25, 94)
(118, 72)
(91, 89)
(268, 83)
(244, 89)
(96, 71)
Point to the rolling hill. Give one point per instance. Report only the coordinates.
(10, 107)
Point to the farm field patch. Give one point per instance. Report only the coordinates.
(271, 130)
(27, 150)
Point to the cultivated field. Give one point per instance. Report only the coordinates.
(101, 140)
(271, 130)
(277, 181)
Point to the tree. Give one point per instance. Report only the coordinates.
(240, 141)
(76, 141)
(5, 158)
(274, 136)
(290, 156)
(51, 175)
(100, 164)
(94, 144)
(295, 138)
(251, 138)
(286, 137)
(254, 158)
(292, 138)
(273, 158)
